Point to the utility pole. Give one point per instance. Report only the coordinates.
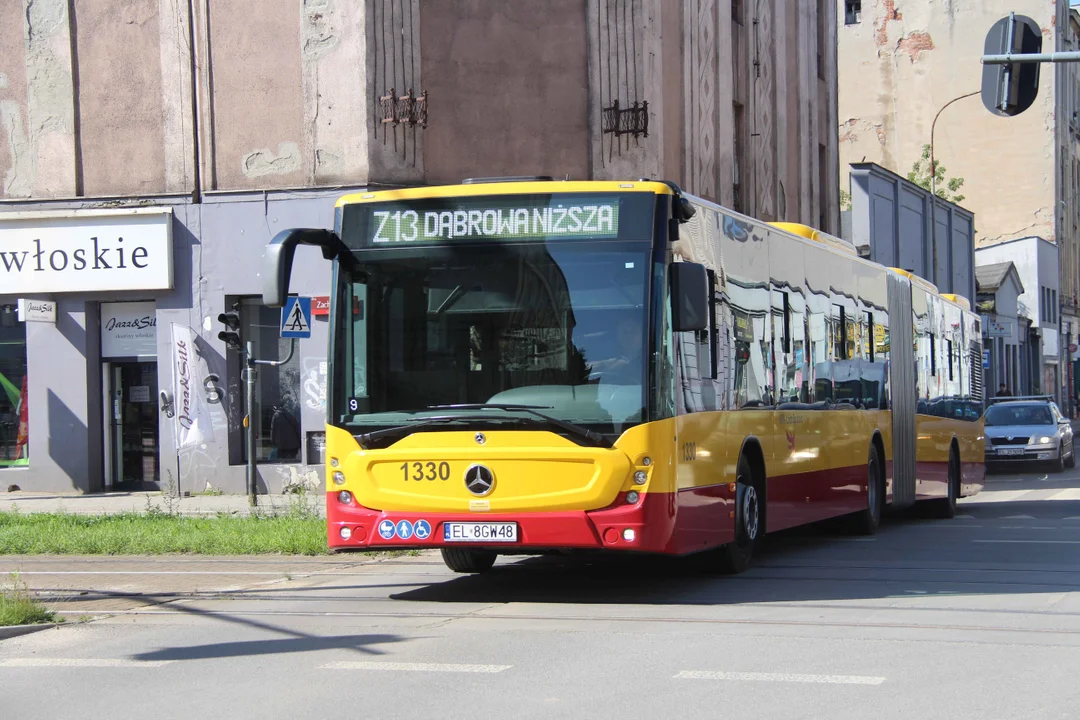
(233, 340)
(250, 375)
(933, 184)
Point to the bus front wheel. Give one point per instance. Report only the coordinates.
(735, 557)
(464, 560)
(867, 521)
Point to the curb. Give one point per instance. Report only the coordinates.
(11, 631)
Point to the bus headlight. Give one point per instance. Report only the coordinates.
(632, 497)
(628, 535)
(339, 478)
(344, 497)
(640, 478)
(345, 533)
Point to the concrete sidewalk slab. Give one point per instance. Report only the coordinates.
(74, 585)
(11, 631)
(141, 502)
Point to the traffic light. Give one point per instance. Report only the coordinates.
(1011, 88)
(231, 337)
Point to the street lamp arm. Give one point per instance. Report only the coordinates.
(933, 128)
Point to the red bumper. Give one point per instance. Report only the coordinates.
(651, 519)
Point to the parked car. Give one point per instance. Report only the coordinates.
(1028, 429)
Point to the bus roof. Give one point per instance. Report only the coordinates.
(916, 280)
(958, 300)
(509, 187)
(805, 231)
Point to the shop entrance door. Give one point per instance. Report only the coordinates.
(135, 426)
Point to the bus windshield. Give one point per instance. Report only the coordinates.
(559, 325)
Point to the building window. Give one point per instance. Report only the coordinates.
(852, 12)
(278, 429)
(737, 11)
(14, 423)
(1053, 306)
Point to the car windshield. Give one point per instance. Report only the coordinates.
(1003, 415)
(555, 325)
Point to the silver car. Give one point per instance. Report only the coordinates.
(1028, 429)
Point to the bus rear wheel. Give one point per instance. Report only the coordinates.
(735, 557)
(946, 507)
(464, 560)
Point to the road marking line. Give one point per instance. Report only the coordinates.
(1001, 495)
(1035, 542)
(1067, 494)
(1017, 517)
(965, 517)
(1073, 517)
(415, 667)
(780, 677)
(82, 663)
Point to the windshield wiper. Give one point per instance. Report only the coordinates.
(366, 439)
(582, 433)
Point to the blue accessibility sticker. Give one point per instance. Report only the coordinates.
(422, 530)
(404, 529)
(386, 530)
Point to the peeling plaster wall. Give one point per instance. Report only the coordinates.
(333, 49)
(255, 107)
(902, 63)
(49, 97)
(512, 87)
(16, 168)
(121, 134)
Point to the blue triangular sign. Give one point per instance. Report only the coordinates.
(296, 318)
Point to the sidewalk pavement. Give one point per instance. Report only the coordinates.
(141, 502)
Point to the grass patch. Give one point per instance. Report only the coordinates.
(159, 533)
(18, 608)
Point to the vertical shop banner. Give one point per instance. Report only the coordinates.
(191, 414)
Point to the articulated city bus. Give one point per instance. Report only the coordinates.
(524, 365)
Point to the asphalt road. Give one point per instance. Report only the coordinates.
(976, 617)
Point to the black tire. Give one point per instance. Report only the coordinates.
(465, 560)
(1059, 464)
(867, 521)
(1070, 462)
(735, 557)
(946, 507)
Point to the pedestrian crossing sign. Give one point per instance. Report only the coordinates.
(296, 318)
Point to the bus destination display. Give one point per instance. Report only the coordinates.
(589, 218)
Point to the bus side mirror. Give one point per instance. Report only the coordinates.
(689, 297)
(278, 259)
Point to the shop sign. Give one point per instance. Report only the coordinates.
(37, 311)
(129, 330)
(320, 305)
(86, 251)
(999, 329)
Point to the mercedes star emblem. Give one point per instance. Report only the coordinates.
(479, 480)
(480, 439)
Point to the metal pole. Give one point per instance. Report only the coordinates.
(249, 420)
(1023, 58)
(1008, 68)
(933, 184)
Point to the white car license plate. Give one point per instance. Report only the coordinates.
(1010, 451)
(480, 532)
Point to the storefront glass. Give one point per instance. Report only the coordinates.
(14, 422)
